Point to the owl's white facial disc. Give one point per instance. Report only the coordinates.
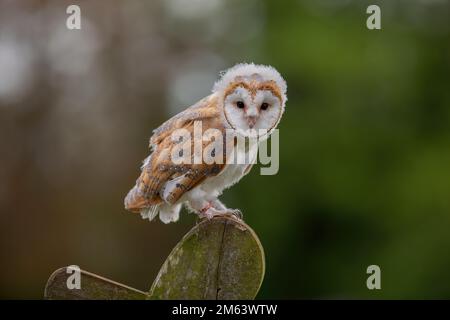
(260, 111)
(254, 97)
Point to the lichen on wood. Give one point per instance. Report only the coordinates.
(218, 259)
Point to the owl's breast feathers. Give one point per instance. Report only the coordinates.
(159, 169)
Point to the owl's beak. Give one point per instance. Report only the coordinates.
(251, 121)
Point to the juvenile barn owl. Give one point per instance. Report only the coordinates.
(246, 97)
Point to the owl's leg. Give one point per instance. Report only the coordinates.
(217, 204)
(208, 206)
(204, 208)
(169, 213)
(197, 203)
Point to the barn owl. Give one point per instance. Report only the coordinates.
(247, 98)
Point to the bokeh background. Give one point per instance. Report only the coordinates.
(365, 141)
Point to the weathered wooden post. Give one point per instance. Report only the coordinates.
(220, 258)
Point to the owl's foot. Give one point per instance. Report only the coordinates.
(208, 212)
(236, 213)
(216, 208)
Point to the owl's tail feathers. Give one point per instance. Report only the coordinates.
(150, 213)
(135, 201)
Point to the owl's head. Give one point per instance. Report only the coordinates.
(253, 96)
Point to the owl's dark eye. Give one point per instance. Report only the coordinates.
(264, 106)
(240, 105)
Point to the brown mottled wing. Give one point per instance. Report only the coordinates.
(159, 169)
(202, 110)
(185, 182)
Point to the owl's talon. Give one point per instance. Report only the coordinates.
(237, 213)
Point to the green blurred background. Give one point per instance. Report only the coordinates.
(365, 141)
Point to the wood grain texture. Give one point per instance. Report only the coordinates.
(218, 259)
(93, 287)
